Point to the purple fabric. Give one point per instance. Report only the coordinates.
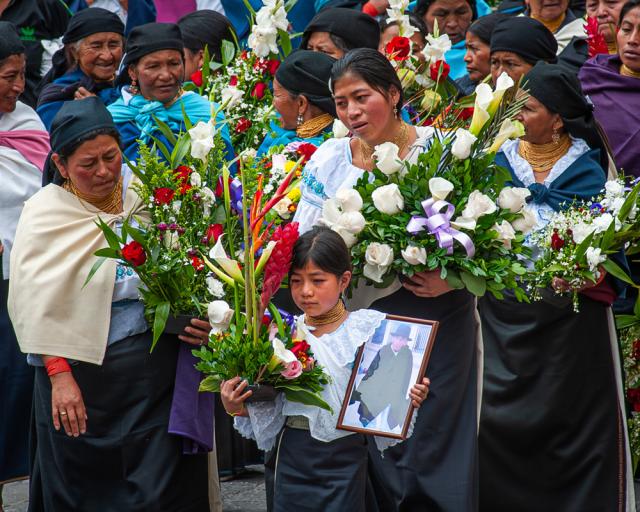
(191, 411)
(170, 11)
(617, 107)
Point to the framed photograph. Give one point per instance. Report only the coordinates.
(386, 368)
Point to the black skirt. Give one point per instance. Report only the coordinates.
(551, 435)
(436, 468)
(126, 461)
(313, 476)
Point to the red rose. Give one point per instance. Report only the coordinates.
(635, 352)
(439, 71)
(163, 195)
(213, 233)
(134, 253)
(306, 150)
(300, 348)
(399, 48)
(258, 90)
(197, 263)
(557, 243)
(196, 78)
(272, 66)
(233, 81)
(243, 125)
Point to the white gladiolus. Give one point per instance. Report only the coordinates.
(220, 315)
(614, 188)
(388, 199)
(215, 287)
(513, 199)
(195, 179)
(387, 158)
(440, 188)
(414, 255)
(230, 96)
(461, 147)
(339, 129)
(436, 47)
(478, 205)
(594, 258)
(263, 40)
(581, 231)
(379, 258)
(506, 233)
(602, 223)
(202, 139)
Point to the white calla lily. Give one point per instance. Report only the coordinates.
(508, 130)
(230, 266)
(440, 188)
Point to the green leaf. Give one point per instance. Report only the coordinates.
(624, 321)
(228, 51)
(165, 130)
(628, 203)
(636, 307)
(163, 148)
(285, 42)
(93, 270)
(107, 252)
(210, 383)
(109, 234)
(613, 269)
(278, 318)
(180, 150)
(607, 238)
(584, 245)
(160, 321)
(303, 396)
(135, 234)
(475, 284)
(453, 280)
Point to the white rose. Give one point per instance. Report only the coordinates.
(195, 179)
(461, 147)
(601, 223)
(527, 222)
(330, 212)
(414, 255)
(215, 287)
(388, 199)
(614, 188)
(281, 353)
(464, 223)
(349, 238)
(231, 96)
(387, 159)
(282, 207)
(506, 233)
(378, 258)
(339, 129)
(353, 222)
(440, 188)
(478, 205)
(513, 199)
(349, 200)
(220, 315)
(581, 231)
(594, 258)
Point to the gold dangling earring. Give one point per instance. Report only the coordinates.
(300, 119)
(395, 112)
(133, 88)
(555, 137)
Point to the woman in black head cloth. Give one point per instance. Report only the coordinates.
(552, 435)
(335, 31)
(517, 44)
(86, 65)
(101, 399)
(202, 28)
(302, 97)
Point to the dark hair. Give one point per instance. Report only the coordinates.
(325, 248)
(423, 6)
(372, 67)
(206, 28)
(630, 5)
(414, 20)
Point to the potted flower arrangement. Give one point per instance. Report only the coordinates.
(449, 211)
(183, 218)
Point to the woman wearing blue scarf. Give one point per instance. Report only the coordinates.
(86, 65)
(551, 422)
(154, 65)
(302, 97)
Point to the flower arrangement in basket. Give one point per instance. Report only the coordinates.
(630, 347)
(244, 340)
(450, 211)
(184, 218)
(577, 242)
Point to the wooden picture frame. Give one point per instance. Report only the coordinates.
(371, 408)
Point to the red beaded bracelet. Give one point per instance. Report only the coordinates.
(57, 365)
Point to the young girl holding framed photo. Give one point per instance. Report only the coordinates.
(317, 466)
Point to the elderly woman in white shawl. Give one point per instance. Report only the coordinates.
(24, 145)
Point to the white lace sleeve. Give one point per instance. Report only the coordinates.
(264, 422)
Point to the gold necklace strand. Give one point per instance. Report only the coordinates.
(542, 157)
(626, 71)
(552, 25)
(314, 126)
(111, 203)
(337, 312)
(399, 140)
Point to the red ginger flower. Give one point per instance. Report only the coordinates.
(280, 260)
(595, 39)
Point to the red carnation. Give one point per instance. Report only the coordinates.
(272, 66)
(439, 71)
(258, 90)
(134, 253)
(163, 195)
(278, 265)
(213, 232)
(243, 125)
(196, 78)
(233, 81)
(557, 243)
(300, 348)
(197, 263)
(306, 150)
(399, 48)
(182, 174)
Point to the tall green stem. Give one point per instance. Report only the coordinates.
(248, 282)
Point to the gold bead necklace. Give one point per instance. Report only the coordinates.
(626, 71)
(111, 203)
(552, 25)
(542, 157)
(400, 140)
(336, 313)
(314, 126)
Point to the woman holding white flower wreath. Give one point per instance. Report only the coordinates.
(437, 465)
(552, 435)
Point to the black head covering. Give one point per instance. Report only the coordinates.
(206, 27)
(423, 6)
(92, 21)
(152, 37)
(483, 27)
(10, 43)
(526, 37)
(559, 90)
(308, 73)
(355, 28)
(74, 120)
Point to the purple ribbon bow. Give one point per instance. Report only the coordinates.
(439, 224)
